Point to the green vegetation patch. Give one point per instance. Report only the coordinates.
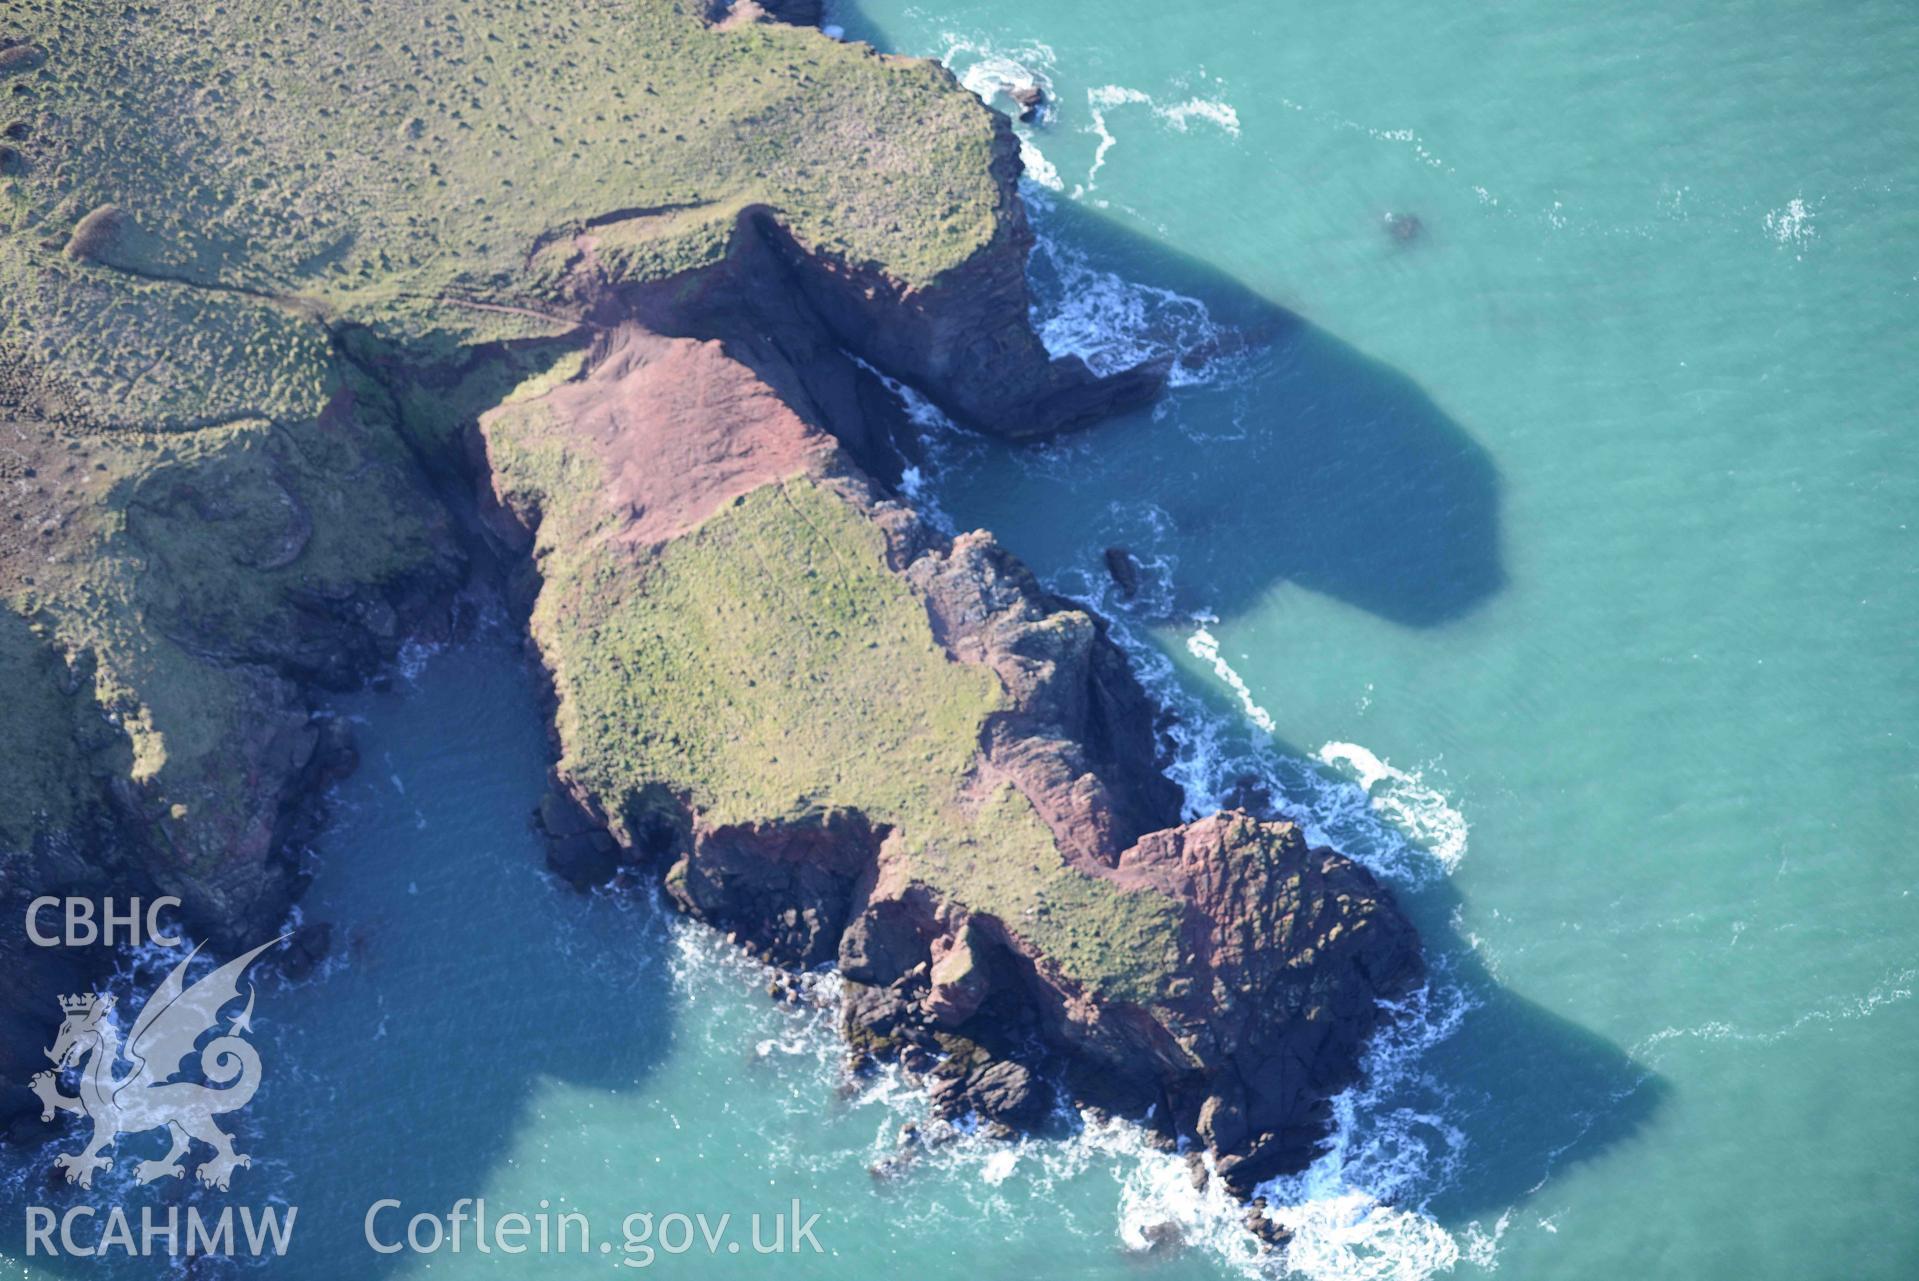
(769, 665)
(1121, 943)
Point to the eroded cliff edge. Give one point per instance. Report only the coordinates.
(255, 419)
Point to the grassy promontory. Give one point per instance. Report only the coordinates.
(769, 667)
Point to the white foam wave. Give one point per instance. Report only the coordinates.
(1791, 227)
(1406, 799)
(1358, 1212)
(1210, 756)
(1038, 167)
(941, 441)
(987, 67)
(1113, 324)
(1098, 102)
(1482, 1247)
(1104, 98)
(1895, 987)
(414, 655)
(991, 70)
(1211, 110)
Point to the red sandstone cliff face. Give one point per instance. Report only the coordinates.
(965, 340)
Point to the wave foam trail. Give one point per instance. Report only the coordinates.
(1104, 98)
(1211, 110)
(988, 68)
(1038, 167)
(1203, 645)
(941, 441)
(1392, 821)
(1098, 102)
(1896, 986)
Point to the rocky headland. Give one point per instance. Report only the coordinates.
(596, 318)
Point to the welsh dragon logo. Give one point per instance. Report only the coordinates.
(171, 1023)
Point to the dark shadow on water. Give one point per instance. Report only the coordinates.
(1531, 1092)
(1312, 463)
(462, 980)
(1315, 465)
(1320, 466)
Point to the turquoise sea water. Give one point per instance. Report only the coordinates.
(1556, 561)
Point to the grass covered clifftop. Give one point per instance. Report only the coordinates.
(221, 225)
(267, 165)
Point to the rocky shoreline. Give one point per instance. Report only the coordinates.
(708, 453)
(1285, 951)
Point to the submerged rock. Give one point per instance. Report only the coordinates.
(1163, 1238)
(1404, 227)
(1262, 1225)
(1124, 570)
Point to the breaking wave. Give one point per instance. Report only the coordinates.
(1113, 324)
(1211, 110)
(1357, 1213)
(1204, 646)
(1896, 986)
(1406, 799)
(1104, 98)
(995, 72)
(989, 69)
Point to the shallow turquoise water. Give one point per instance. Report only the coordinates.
(1569, 539)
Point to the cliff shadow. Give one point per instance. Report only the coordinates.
(467, 995)
(1287, 455)
(1284, 454)
(1530, 1092)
